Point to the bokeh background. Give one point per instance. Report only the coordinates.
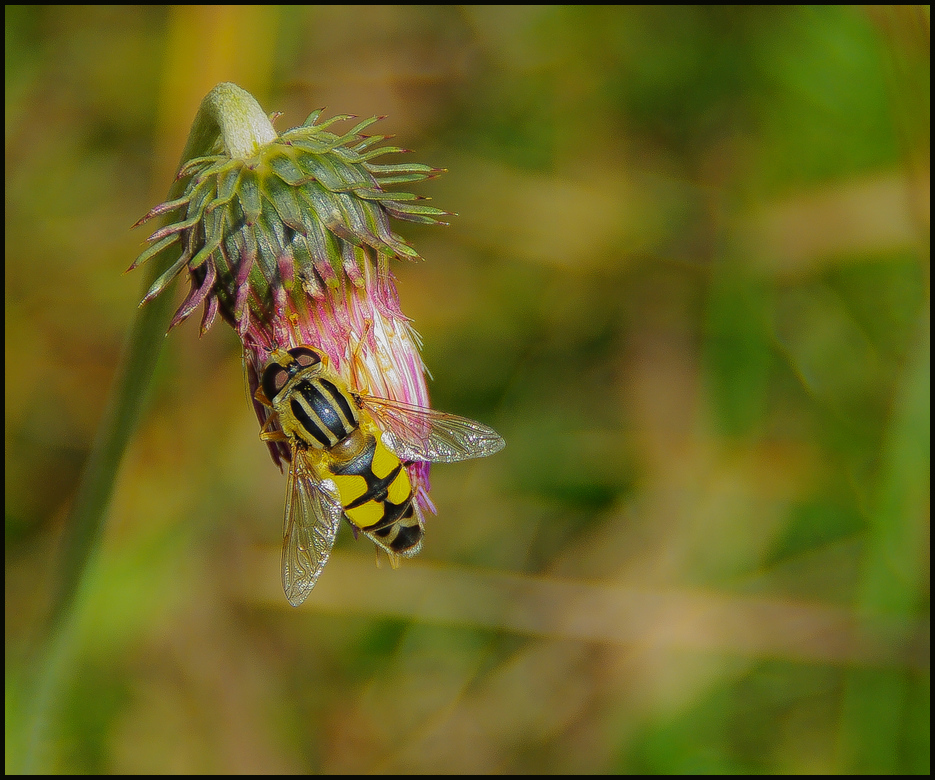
(688, 282)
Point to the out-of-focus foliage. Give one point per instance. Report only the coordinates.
(689, 284)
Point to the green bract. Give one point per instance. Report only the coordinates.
(306, 211)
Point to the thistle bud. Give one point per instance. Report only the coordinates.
(287, 236)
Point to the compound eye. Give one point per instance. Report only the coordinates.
(305, 356)
(275, 378)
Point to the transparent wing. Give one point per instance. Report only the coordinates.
(419, 433)
(313, 514)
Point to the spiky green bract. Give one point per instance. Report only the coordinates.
(273, 232)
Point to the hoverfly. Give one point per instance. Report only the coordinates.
(344, 465)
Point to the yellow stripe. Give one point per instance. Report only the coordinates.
(367, 514)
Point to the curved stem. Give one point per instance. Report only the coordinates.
(229, 114)
(232, 114)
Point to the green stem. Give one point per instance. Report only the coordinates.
(230, 114)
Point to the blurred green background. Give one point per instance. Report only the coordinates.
(688, 282)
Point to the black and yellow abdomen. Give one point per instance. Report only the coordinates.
(375, 490)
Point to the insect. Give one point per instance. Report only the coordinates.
(344, 465)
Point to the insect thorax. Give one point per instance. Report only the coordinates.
(318, 413)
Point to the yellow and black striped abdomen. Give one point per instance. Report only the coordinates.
(375, 491)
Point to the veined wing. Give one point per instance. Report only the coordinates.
(417, 433)
(313, 514)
